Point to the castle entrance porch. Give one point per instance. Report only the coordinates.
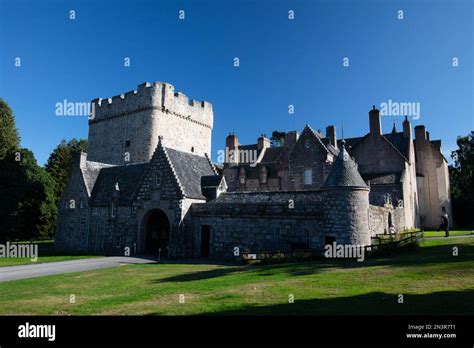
(157, 232)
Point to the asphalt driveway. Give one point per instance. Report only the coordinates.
(48, 268)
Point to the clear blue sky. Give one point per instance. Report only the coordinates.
(282, 62)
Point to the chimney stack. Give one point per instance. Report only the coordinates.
(420, 133)
(375, 122)
(407, 128)
(232, 148)
(331, 135)
(262, 142)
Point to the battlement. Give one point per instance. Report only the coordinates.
(149, 96)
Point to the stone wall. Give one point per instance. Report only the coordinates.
(379, 217)
(346, 213)
(73, 212)
(125, 128)
(256, 222)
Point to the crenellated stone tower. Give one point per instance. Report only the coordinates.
(124, 129)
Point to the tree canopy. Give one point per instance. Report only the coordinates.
(462, 181)
(9, 138)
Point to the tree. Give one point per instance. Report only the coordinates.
(9, 138)
(462, 181)
(59, 164)
(27, 206)
(278, 138)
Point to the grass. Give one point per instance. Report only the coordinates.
(451, 233)
(432, 280)
(13, 261)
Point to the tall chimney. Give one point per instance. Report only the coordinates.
(331, 135)
(232, 148)
(262, 142)
(375, 122)
(407, 128)
(420, 133)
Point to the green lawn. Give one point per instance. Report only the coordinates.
(15, 261)
(451, 233)
(432, 280)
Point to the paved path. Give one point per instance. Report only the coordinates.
(49, 268)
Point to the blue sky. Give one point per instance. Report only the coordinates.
(282, 62)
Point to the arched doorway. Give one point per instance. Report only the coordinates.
(157, 232)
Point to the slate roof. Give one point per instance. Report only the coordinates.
(189, 169)
(383, 178)
(91, 172)
(399, 141)
(272, 154)
(128, 178)
(350, 142)
(344, 172)
(211, 180)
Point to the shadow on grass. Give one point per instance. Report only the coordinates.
(375, 303)
(440, 254)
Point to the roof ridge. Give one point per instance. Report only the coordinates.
(317, 137)
(173, 170)
(211, 164)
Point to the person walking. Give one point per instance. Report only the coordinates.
(444, 225)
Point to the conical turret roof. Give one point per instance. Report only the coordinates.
(344, 172)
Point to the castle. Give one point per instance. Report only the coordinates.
(147, 183)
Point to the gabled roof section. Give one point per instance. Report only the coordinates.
(128, 179)
(188, 169)
(401, 143)
(90, 173)
(272, 154)
(344, 172)
(321, 140)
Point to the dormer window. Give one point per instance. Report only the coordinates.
(307, 144)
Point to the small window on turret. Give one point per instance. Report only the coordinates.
(192, 149)
(307, 144)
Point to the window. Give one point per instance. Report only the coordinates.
(113, 210)
(158, 179)
(118, 241)
(95, 211)
(307, 144)
(192, 149)
(81, 204)
(127, 143)
(308, 176)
